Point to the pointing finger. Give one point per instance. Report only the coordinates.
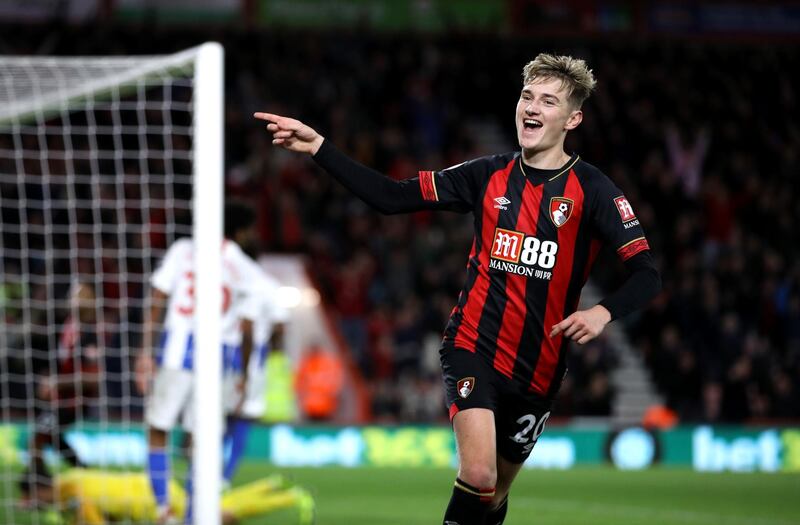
(279, 121)
(272, 117)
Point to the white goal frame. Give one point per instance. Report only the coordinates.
(206, 64)
(208, 169)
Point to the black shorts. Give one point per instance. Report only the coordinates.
(519, 416)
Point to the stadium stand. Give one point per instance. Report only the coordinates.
(697, 130)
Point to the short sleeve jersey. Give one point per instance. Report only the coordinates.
(175, 277)
(537, 234)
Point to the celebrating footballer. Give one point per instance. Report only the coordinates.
(540, 216)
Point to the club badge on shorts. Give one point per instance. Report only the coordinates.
(465, 386)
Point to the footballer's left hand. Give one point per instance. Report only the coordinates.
(584, 325)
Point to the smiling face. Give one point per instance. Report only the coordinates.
(544, 115)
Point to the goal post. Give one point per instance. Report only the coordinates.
(103, 161)
(208, 191)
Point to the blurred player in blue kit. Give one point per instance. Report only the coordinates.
(170, 395)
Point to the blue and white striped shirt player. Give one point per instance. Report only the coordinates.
(175, 277)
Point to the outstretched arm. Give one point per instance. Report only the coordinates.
(379, 191)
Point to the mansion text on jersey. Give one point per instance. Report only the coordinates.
(519, 269)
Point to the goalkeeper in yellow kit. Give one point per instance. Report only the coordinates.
(96, 497)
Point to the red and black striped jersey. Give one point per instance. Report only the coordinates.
(537, 234)
(79, 357)
(77, 348)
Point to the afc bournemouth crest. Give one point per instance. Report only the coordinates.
(465, 386)
(560, 210)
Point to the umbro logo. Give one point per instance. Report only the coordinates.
(502, 203)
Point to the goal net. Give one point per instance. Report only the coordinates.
(102, 160)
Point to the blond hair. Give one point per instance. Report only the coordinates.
(573, 73)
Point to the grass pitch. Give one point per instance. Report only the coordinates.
(600, 496)
(597, 496)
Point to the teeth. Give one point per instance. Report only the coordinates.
(532, 122)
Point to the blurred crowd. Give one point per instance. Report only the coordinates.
(696, 133)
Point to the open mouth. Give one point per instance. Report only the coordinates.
(531, 124)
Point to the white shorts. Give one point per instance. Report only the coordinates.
(254, 404)
(171, 397)
(230, 395)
